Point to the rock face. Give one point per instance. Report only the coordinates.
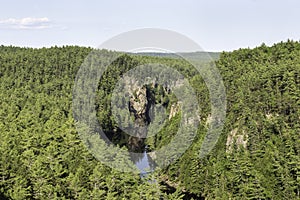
(139, 106)
(238, 139)
(175, 108)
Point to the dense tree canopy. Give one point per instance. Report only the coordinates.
(256, 157)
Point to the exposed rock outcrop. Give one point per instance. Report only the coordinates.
(175, 108)
(240, 139)
(139, 106)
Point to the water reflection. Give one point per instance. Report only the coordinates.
(143, 162)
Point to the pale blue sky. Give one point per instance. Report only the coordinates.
(216, 25)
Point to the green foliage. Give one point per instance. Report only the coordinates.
(42, 156)
(263, 105)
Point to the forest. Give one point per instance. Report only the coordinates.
(257, 155)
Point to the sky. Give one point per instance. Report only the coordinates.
(215, 25)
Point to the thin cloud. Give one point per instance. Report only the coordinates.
(26, 23)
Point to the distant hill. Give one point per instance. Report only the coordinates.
(199, 55)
